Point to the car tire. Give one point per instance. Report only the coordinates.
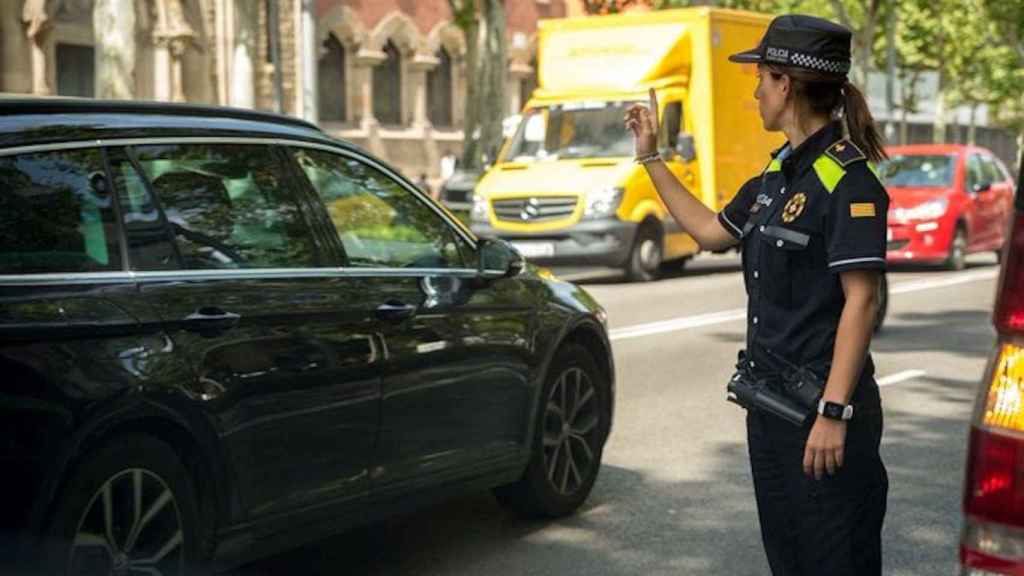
(565, 455)
(957, 259)
(130, 504)
(645, 258)
(883, 302)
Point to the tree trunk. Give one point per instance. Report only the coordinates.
(114, 25)
(471, 126)
(939, 123)
(972, 129)
(487, 59)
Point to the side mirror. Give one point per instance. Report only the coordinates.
(982, 187)
(686, 148)
(498, 259)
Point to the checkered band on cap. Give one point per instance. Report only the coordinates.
(820, 64)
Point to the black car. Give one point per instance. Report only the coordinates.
(224, 334)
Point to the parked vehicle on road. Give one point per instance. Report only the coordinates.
(946, 201)
(223, 334)
(992, 540)
(565, 189)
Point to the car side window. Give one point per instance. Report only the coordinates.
(56, 214)
(991, 171)
(975, 174)
(228, 205)
(380, 223)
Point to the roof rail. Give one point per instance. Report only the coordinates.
(46, 105)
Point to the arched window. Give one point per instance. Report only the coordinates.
(439, 91)
(387, 87)
(331, 81)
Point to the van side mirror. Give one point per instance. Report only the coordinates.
(686, 147)
(498, 259)
(982, 187)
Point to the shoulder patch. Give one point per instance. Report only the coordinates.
(844, 153)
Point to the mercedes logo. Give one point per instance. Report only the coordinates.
(530, 210)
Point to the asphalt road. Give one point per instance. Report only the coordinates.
(675, 495)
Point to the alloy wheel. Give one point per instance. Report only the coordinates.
(132, 525)
(571, 431)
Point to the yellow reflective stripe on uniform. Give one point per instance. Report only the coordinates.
(774, 166)
(829, 172)
(874, 170)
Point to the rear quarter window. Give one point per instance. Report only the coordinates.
(56, 214)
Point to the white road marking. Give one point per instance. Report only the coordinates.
(676, 324)
(928, 284)
(736, 314)
(900, 377)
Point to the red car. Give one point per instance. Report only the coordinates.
(945, 202)
(992, 541)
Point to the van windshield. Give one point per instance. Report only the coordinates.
(572, 130)
(933, 171)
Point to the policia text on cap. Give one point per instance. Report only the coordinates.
(813, 232)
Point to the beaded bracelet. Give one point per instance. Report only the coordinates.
(648, 158)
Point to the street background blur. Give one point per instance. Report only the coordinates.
(409, 80)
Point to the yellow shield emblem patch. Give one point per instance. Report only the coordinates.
(794, 208)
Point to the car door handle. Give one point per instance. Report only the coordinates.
(395, 311)
(211, 318)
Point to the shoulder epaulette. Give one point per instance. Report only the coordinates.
(845, 153)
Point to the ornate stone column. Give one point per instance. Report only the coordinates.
(243, 54)
(114, 34)
(365, 62)
(37, 27)
(419, 67)
(171, 38)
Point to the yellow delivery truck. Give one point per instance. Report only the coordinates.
(564, 189)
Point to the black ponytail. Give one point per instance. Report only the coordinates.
(820, 94)
(860, 123)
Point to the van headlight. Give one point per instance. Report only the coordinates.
(479, 210)
(929, 210)
(602, 202)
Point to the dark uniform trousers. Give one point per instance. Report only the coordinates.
(826, 527)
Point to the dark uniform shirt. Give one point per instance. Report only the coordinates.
(816, 211)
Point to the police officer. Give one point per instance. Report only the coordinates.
(813, 231)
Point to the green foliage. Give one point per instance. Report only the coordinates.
(977, 46)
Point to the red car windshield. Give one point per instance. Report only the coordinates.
(918, 171)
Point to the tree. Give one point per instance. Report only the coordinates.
(483, 23)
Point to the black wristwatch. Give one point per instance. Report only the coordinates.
(835, 411)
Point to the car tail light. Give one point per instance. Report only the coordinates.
(992, 541)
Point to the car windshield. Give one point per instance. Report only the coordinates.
(918, 171)
(572, 130)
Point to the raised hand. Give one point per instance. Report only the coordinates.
(643, 122)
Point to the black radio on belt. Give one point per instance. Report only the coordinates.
(792, 395)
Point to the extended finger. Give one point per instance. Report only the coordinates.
(839, 458)
(819, 464)
(808, 461)
(830, 462)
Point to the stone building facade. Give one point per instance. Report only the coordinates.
(389, 75)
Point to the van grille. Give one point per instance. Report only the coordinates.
(536, 209)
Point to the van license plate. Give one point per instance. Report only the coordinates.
(535, 249)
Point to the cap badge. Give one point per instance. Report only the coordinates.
(794, 208)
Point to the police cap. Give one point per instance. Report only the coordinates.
(803, 42)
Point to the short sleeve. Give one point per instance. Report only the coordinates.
(855, 230)
(735, 214)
